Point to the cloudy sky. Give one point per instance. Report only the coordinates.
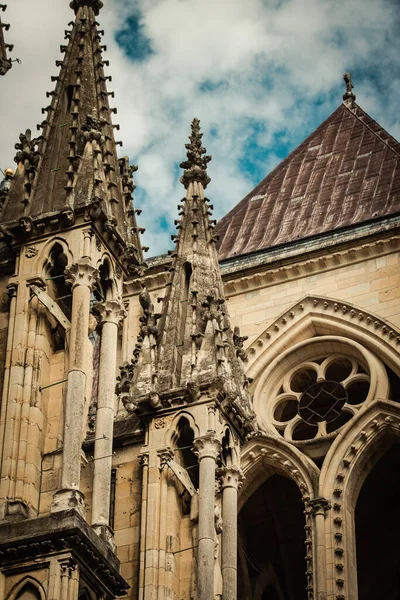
(260, 74)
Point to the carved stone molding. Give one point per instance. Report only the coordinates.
(82, 273)
(332, 309)
(207, 446)
(304, 268)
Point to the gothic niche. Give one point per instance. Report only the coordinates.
(271, 543)
(377, 525)
(183, 452)
(59, 291)
(28, 592)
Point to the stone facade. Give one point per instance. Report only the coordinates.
(246, 448)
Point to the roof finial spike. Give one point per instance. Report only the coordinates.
(196, 164)
(95, 4)
(349, 95)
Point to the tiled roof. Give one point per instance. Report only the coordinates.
(346, 172)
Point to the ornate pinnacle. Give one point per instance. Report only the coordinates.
(349, 95)
(95, 4)
(196, 164)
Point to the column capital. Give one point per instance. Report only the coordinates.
(231, 477)
(82, 273)
(207, 446)
(319, 506)
(110, 311)
(165, 455)
(12, 289)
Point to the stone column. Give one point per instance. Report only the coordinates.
(319, 508)
(82, 276)
(207, 449)
(112, 313)
(231, 479)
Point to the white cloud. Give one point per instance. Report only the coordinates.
(270, 66)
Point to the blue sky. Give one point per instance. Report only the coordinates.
(260, 74)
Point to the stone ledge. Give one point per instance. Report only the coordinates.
(62, 531)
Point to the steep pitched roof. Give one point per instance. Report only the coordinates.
(73, 166)
(346, 172)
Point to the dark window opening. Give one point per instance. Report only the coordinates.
(377, 525)
(59, 291)
(183, 454)
(271, 543)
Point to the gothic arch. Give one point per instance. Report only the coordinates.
(347, 464)
(108, 278)
(42, 258)
(263, 458)
(27, 582)
(264, 455)
(315, 315)
(171, 432)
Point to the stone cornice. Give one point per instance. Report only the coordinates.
(269, 274)
(280, 265)
(62, 532)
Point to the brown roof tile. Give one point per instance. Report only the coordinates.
(346, 172)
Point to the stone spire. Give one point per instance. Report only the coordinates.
(72, 170)
(5, 62)
(190, 346)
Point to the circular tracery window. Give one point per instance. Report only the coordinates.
(318, 397)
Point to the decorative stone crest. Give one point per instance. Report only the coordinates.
(27, 153)
(31, 251)
(196, 164)
(127, 171)
(92, 130)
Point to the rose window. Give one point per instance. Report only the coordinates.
(318, 397)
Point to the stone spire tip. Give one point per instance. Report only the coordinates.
(196, 164)
(349, 95)
(97, 5)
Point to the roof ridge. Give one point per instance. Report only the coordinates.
(370, 128)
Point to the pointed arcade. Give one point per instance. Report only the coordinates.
(71, 171)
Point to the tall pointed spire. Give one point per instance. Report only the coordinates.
(190, 347)
(5, 62)
(72, 169)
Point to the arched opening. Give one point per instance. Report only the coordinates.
(59, 291)
(28, 592)
(183, 454)
(271, 545)
(377, 525)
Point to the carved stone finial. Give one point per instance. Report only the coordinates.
(349, 95)
(5, 185)
(95, 4)
(196, 164)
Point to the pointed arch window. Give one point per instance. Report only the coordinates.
(58, 290)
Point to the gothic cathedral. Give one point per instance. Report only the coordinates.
(222, 422)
